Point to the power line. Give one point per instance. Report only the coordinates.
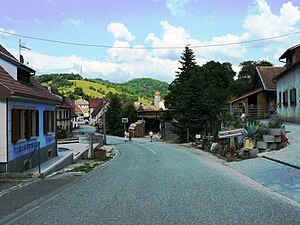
(148, 47)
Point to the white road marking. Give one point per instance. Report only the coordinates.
(150, 150)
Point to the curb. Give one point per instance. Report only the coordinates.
(281, 162)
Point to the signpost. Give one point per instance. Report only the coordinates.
(231, 134)
(124, 121)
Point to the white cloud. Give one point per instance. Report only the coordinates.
(179, 36)
(119, 30)
(266, 24)
(72, 22)
(126, 53)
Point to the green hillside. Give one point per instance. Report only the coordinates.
(74, 86)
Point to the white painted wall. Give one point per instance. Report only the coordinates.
(288, 82)
(3, 131)
(9, 68)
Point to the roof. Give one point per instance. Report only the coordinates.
(94, 102)
(246, 95)
(98, 108)
(284, 72)
(7, 53)
(33, 90)
(81, 102)
(289, 51)
(267, 74)
(10, 58)
(77, 110)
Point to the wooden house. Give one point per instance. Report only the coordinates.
(260, 102)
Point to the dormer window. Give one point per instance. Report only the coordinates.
(23, 76)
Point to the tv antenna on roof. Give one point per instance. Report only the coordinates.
(22, 45)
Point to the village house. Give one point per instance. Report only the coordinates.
(96, 115)
(65, 115)
(260, 102)
(84, 106)
(93, 104)
(288, 86)
(28, 115)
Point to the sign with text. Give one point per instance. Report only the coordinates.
(230, 133)
(124, 120)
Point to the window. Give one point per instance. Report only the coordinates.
(25, 124)
(48, 121)
(293, 99)
(279, 100)
(285, 99)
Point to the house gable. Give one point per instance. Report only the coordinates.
(265, 76)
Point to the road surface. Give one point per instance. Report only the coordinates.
(159, 183)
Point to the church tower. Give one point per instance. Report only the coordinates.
(157, 99)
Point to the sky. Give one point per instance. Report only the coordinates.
(119, 40)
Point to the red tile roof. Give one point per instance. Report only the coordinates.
(33, 90)
(267, 74)
(94, 102)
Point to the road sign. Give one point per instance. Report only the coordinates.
(230, 133)
(124, 120)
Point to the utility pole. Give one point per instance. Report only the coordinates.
(104, 124)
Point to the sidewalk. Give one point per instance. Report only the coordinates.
(271, 168)
(291, 153)
(67, 154)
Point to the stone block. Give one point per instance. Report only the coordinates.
(275, 131)
(272, 146)
(261, 145)
(277, 139)
(253, 152)
(269, 138)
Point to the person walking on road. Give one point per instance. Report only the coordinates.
(130, 134)
(151, 135)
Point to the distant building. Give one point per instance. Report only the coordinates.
(27, 111)
(84, 106)
(93, 104)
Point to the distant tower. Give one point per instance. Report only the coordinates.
(157, 99)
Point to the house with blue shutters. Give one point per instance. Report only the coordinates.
(27, 117)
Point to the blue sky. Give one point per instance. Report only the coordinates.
(142, 26)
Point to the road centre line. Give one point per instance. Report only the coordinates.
(150, 149)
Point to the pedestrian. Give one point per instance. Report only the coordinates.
(151, 135)
(125, 135)
(130, 134)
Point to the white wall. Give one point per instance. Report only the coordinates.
(3, 131)
(288, 82)
(9, 68)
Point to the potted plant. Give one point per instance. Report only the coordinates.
(251, 133)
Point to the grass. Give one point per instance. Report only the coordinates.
(89, 166)
(85, 85)
(85, 168)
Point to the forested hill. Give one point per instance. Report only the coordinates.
(74, 86)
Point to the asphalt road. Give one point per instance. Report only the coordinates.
(158, 183)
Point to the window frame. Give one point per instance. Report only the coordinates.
(293, 97)
(24, 124)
